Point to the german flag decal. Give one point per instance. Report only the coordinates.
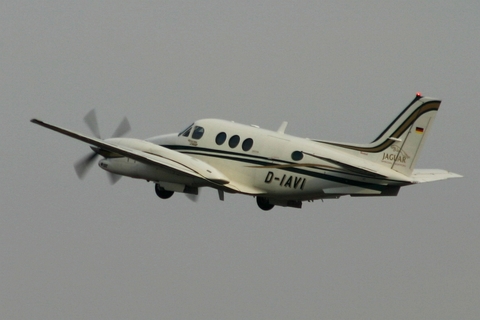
(419, 130)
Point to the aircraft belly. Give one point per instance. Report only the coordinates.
(351, 190)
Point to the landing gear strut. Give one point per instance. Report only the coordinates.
(264, 204)
(162, 193)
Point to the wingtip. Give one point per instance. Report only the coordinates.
(455, 175)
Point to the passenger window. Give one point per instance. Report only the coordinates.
(198, 133)
(247, 144)
(221, 137)
(233, 142)
(297, 155)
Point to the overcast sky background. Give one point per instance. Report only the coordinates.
(336, 70)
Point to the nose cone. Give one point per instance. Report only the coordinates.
(104, 164)
(119, 166)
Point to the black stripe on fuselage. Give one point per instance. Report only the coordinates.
(264, 161)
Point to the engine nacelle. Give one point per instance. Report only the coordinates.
(122, 166)
(134, 169)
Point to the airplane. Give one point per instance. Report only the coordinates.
(276, 168)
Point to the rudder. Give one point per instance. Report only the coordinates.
(407, 148)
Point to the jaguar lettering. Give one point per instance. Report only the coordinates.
(394, 157)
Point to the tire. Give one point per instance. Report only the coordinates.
(162, 193)
(264, 204)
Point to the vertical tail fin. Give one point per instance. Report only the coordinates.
(411, 142)
(398, 146)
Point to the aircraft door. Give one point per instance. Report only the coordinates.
(274, 147)
(273, 150)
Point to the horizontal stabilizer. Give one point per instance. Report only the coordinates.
(429, 175)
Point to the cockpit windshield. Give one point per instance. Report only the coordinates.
(186, 132)
(197, 132)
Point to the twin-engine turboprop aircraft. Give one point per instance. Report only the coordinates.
(276, 168)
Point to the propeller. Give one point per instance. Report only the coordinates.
(83, 165)
(192, 197)
(192, 193)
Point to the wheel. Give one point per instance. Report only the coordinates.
(162, 193)
(264, 204)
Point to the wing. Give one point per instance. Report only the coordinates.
(156, 155)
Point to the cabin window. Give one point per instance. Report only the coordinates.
(233, 142)
(221, 137)
(186, 131)
(198, 132)
(247, 144)
(297, 155)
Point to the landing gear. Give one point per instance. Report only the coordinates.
(162, 193)
(264, 204)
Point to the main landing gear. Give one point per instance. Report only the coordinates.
(264, 204)
(162, 193)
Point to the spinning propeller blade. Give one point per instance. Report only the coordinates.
(113, 177)
(192, 197)
(91, 121)
(84, 164)
(122, 128)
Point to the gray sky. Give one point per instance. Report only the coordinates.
(336, 70)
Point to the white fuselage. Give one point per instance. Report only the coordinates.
(276, 164)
